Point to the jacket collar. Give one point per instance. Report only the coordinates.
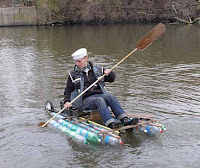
(89, 66)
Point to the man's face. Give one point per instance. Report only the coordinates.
(82, 62)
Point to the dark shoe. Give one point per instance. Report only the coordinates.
(129, 121)
(111, 125)
(135, 120)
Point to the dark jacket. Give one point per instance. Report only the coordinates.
(88, 80)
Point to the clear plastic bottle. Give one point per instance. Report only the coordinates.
(112, 140)
(108, 138)
(151, 129)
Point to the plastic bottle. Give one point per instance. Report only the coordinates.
(108, 138)
(55, 125)
(151, 129)
(74, 135)
(112, 140)
(89, 135)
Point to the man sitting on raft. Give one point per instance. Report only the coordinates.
(84, 74)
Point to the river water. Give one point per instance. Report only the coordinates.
(163, 80)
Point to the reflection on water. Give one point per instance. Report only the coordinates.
(162, 80)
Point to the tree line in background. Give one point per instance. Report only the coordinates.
(117, 11)
(113, 11)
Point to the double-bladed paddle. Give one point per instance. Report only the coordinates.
(149, 38)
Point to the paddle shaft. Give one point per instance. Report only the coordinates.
(123, 59)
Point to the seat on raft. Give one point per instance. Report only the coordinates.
(91, 114)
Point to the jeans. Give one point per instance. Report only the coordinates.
(101, 103)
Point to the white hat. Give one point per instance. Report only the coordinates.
(80, 53)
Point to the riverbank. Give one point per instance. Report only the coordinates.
(117, 11)
(109, 11)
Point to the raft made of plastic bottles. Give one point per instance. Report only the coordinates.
(90, 131)
(55, 125)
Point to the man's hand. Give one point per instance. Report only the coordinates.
(67, 105)
(107, 72)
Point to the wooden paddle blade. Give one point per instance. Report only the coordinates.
(41, 124)
(151, 36)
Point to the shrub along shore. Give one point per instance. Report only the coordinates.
(117, 11)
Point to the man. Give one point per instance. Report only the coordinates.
(81, 77)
